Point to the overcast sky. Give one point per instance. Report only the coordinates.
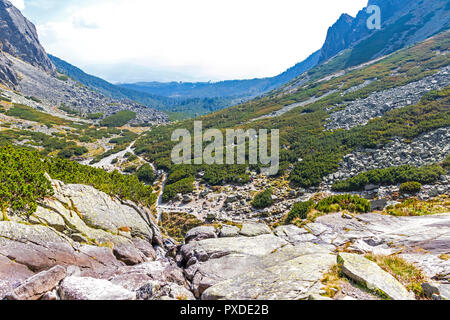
(184, 40)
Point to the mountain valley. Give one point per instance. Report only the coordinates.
(94, 209)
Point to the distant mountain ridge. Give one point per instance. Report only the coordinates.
(404, 22)
(187, 99)
(189, 107)
(228, 88)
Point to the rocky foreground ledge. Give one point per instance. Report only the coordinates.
(85, 245)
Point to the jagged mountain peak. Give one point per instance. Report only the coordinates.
(403, 23)
(19, 38)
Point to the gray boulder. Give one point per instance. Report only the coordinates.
(436, 289)
(293, 234)
(254, 229)
(36, 286)
(229, 231)
(379, 204)
(156, 290)
(200, 233)
(364, 271)
(290, 273)
(84, 288)
(12, 274)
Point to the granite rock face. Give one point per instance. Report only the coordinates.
(290, 273)
(7, 75)
(210, 261)
(364, 271)
(79, 227)
(85, 288)
(201, 233)
(19, 38)
(254, 229)
(36, 286)
(420, 240)
(428, 18)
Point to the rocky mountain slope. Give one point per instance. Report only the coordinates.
(19, 38)
(403, 23)
(26, 68)
(65, 238)
(181, 106)
(53, 91)
(7, 74)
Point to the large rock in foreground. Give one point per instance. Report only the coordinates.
(35, 287)
(382, 234)
(291, 273)
(364, 271)
(78, 288)
(40, 248)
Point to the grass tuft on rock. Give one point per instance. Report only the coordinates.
(406, 273)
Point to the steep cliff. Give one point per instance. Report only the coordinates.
(19, 38)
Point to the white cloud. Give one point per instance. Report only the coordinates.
(19, 4)
(205, 39)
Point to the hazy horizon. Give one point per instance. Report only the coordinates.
(198, 40)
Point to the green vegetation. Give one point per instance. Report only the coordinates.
(343, 202)
(446, 163)
(68, 110)
(415, 207)
(263, 199)
(176, 225)
(182, 186)
(391, 176)
(132, 158)
(71, 151)
(34, 99)
(23, 182)
(86, 133)
(46, 143)
(130, 169)
(94, 116)
(146, 174)
(301, 129)
(22, 173)
(214, 175)
(300, 210)
(62, 77)
(126, 137)
(406, 273)
(410, 187)
(28, 113)
(119, 119)
(337, 203)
